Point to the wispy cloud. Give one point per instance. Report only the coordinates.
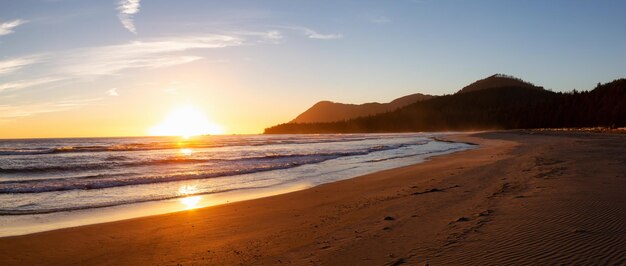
(11, 65)
(273, 35)
(94, 62)
(380, 20)
(127, 10)
(10, 112)
(270, 36)
(112, 92)
(21, 84)
(310, 33)
(156, 53)
(8, 26)
(87, 64)
(316, 35)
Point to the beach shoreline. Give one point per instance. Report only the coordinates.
(482, 206)
(198, 193)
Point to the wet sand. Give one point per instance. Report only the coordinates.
(522, 198)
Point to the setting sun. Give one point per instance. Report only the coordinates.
(186, 122)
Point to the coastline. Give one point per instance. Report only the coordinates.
(480, 206)
(302, 177)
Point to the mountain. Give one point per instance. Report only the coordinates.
(498, 81)
(511, 106)
(326, 111)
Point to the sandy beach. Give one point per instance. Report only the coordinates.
(522, 198)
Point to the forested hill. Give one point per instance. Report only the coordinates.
(326, 111)
(503, 107)
(498, 81)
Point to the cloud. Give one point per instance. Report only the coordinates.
(11, 65)
(112, 92)
(127, 9)
(143, 54)
(93, 62)
(156, 53)
(9, 112)
(86, 64)
(380, 20)
(310, 33)
(272, 36)
(316, 35)
(8, 26)
(21, 84)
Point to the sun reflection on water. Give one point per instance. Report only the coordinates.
(190, 202)
(187, 190)
(186, 152)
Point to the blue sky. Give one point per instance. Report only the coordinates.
(237, 59)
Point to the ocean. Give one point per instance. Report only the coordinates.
(47, 176)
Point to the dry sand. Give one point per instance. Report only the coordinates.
(543, 198)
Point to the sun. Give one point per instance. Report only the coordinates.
(186, 122)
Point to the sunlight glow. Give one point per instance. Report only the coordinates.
(187, 190)
(186, 152)
(186, 122)
(191, 202)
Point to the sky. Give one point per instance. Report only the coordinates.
(78, 68)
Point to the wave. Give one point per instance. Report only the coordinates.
(107, 164)
(413, 155)
(211, 168)
(24, 151)
(112, 162)
(165, 146)
(103, 148)
(101, 183)
(117, 203)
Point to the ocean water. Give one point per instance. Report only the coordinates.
(41, 176)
